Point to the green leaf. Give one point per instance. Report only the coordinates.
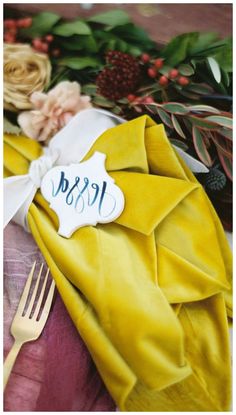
(103, 102)
(204, 108)
(203, 41)
(178, 48)
(42, 24)
(135, 35)
(200, 147)
(10, 128)
(112, 18)
(166, 119)
(179, 143)
(175, 108)
(186, 70)
(79, 62)
(80, 42)
(225, 78)
(224, 54)
(177, 126)
(220, 120)
(215, 69)
(89, 89)
(77, 27)
(203, 123)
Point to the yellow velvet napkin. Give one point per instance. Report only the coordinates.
(150, 292)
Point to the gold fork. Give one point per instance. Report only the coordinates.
(26, 327)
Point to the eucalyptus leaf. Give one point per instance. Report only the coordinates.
(117, 110)
(179, 143)
(164, 116)
(201, 89)
(226, 133)
(220, 120)
(103, 102)
(177, 126)
(77, 27)
(79, 62)
(200, 147)
(204, 108)
(215, 69)
(112, 18)
(89, 89)
(203, 123)
(226, 164)
(175, 108)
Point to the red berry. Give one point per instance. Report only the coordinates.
(138, 100)
(25, 22)
(159, 63)
(173, 73)
(9, 38)
(9, 23)
(131, 97)
(148, 100)
(145, 57)
(163, 81)
(56, 52)
(12, 30)
(37, 42)
(152, 72)
(182, 80)
(44, 47)
(49, 38)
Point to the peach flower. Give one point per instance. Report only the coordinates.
(52, 111)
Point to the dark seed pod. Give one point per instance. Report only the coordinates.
(215, 180)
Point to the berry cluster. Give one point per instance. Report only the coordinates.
(120, 76)
(44, 45)
(11, 27)
(163, 80)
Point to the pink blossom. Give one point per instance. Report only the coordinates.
(52, 111)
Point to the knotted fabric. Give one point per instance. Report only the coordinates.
(151, 292)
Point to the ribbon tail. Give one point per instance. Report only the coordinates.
(18, 193)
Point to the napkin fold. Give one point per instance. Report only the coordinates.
(150, 292)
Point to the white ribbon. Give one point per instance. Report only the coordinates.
(70, 145)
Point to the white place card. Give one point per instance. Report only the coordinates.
(82, 194)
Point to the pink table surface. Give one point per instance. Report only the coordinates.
(55, 372)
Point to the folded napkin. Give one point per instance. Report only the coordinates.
(150, 292)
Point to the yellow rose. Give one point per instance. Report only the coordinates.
(25, 72)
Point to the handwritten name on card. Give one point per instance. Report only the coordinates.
(82, 194)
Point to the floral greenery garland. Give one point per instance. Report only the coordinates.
(186, 84)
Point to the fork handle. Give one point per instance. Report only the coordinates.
(10, 360)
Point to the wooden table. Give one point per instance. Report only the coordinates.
(162, 21)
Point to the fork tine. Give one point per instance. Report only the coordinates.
(40, 299)
(32, 300)
(25, 293)
(47, 305)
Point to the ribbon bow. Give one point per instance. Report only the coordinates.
(70, 145)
